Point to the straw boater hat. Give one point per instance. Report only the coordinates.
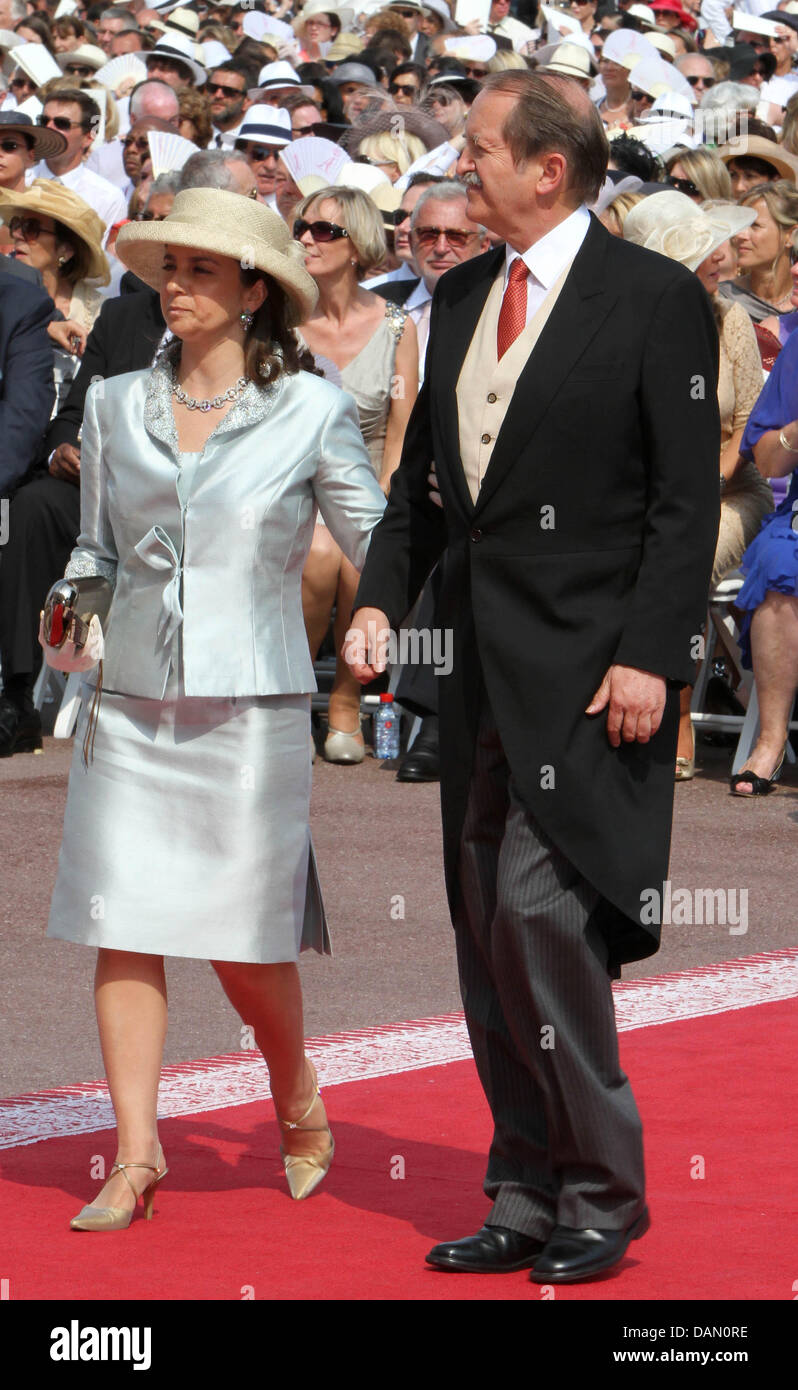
(52, 199)
(675, 226)
(227, 224)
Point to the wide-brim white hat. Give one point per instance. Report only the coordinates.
(87, 54)
(570, 60)
(343, 14)
(675, 226)
(227, 224)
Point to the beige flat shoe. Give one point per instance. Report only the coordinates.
(340, 747)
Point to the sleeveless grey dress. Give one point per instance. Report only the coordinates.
(149, 865)
(369, 378)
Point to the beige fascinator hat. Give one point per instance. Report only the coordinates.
(228, 224)
(674, 225)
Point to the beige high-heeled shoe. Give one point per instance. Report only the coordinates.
(342, 747)
(305, 1171)
(119, 1218)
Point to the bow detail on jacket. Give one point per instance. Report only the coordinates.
(156, 549)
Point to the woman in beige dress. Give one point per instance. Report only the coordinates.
(373, 345)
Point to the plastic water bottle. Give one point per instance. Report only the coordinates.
(386, 728)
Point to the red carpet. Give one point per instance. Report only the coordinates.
(717, 1091)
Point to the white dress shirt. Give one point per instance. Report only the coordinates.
(548, 257)
(225, 139)
(418, 304)
(106, 200)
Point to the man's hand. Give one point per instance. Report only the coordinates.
(65, 463)
(69, 335)
(365, 644)
(636, 702)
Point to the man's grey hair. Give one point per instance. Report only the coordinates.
(119, 12)
(154, 98)
(170, 182)
(683, 57)
(18, 10)
(451, 191)
(211, 169)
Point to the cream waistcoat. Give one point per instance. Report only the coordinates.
(485, 385)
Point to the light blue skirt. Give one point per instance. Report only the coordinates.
(188, 834)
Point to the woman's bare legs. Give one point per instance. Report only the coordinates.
(774, 651)
(344, 708)
(130, 1000)
(269, 999)
(685, 748)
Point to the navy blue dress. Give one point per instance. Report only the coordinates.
(771, 560)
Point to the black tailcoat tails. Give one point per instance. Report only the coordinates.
(591, 543)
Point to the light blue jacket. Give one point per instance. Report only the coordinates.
(225, 560)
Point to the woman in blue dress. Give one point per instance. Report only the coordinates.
(769, 597)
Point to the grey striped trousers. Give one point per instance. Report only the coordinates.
(567, 1146)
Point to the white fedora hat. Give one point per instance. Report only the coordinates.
(181, 49)
(228, 224)
(277, 75)
(266, 125)
(571, 60)
(675, 226)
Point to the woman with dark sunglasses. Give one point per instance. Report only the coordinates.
(374, 347)
(699, 174)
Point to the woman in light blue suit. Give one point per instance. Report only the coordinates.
(187, 831)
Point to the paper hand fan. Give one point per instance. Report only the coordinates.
(314, 156)
(113, 73)
(168, 152)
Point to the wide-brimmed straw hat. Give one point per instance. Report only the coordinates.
(87, 54)
(570, 60)
(674, 225)
(52, 199)
(404, 121)
(47, 141)
(756, 147)
(227, 224)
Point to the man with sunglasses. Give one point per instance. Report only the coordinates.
(407, 84)
(698, 71)
(76, 116)
(265, 131)
(442, 236)
(411, 12)
(227, 89)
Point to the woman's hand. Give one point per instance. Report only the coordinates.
(69, 335)
(66, 657)
(434, 490)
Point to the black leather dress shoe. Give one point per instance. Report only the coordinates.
(19, 733)
(571, 1256)
(493, 1250)
(421, 762)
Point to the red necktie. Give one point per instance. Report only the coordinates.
(512, 318)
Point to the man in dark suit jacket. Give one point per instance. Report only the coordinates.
(580, 503)
(45, 510)
(26, 375)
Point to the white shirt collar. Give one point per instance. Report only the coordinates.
(547, 259)
(418, 296)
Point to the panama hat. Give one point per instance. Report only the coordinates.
(45, 145)
(755, 147)
(266, 125)
(52, 199)
(227, 224)
(180, 48)
(88, 55)
(675, 226)
(571, 60)
(345, 45)
(184, 21)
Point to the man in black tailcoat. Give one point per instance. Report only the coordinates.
(570, 409)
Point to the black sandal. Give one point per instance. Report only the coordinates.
(760, 786)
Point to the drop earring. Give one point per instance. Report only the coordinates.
(247, 319)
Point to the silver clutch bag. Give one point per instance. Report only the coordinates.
(70, 606)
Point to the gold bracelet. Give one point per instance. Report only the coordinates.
(785, 445)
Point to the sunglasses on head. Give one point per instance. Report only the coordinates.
(61, 123)
(685, 186)
(707, 81)
(320, 231)
(456, 237)
(29, 228)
